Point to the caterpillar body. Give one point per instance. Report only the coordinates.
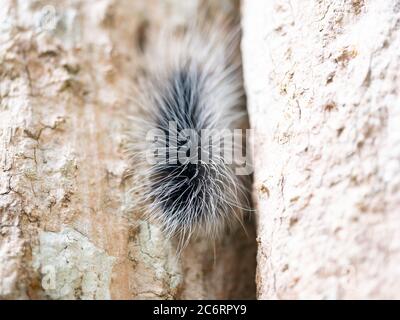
(193, 84)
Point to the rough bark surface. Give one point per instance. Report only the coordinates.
(322, 80)
(65, 231)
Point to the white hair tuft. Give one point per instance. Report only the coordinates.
(194, 80)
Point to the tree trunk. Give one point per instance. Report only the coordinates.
(322, 82)
(66, 232)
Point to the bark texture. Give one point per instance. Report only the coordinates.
(65, 230)
(323, 87)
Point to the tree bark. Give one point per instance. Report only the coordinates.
(322, 82)
(65, 229)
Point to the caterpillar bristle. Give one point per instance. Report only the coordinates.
(194, 80)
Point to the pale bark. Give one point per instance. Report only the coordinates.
(322, 81)
(65, 230)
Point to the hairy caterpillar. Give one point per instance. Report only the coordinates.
(193, 84)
